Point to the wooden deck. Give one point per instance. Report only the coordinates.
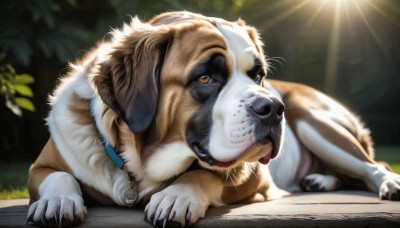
(335, 209)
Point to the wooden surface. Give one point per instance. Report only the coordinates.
(334, 209)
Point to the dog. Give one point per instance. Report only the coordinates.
(176, 115)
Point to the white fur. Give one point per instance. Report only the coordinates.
(84, 152)
(79, 145)
(284, 168)
(327, 182)
(376, 177)
(328, 152)
(385, 182)
(187, 198)
(168, 161)
(232, 129)
(273, 192)
(60, 195)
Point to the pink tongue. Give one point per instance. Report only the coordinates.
(265, 160)
(224, 164)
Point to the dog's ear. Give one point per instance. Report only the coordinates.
(255, 37)
(128, 79)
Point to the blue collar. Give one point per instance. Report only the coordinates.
(112, 154)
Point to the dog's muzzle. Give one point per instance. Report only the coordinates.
(264, 116)
(267, 114)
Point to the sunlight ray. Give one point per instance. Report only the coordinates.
(346, 11)
(389, 6)
(381, 45)
(394, 21)
(273, 7)
(332, 56)
(316, 13)
(276, 20)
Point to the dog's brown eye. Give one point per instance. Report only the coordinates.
(205, 79)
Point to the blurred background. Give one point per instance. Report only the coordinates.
(349, 49)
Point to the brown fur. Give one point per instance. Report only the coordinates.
(79, 109)
(43, 166)
(300, 100)
(176, 105)
(246, 185)
(129, 74)
(143, 83)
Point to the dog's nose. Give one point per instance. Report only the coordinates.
(269, 110)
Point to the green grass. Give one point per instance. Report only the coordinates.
(14, 175)
(13, 178)
(396, 168)
(14, 193)
(390, 154)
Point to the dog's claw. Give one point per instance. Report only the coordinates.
(77, 220)
(61, 221)
(156, 218)
(165, 222)
(151, 218)
(187, 219)
(29, 219)
(145, 215)
(171, 216)
(57, 221)
(310, 186)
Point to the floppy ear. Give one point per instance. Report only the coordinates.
(128, 80)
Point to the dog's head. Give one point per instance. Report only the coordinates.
(186, 77)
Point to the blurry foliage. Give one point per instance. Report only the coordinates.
(12, 85)
(59, 29)
(31, 28)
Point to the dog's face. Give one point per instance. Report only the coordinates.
(185, 77)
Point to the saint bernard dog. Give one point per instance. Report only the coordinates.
(176, 115)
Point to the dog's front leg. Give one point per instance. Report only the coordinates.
(185, 200)
(60, 200)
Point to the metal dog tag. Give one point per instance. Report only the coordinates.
(131, 197)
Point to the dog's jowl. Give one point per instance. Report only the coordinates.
(176, 114)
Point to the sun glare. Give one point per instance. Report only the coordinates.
(339, 16)
(349, 10)
(337, 2)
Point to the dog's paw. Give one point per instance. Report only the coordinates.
(172, 208)
(390, 188)
(57, 211)
(319, 183)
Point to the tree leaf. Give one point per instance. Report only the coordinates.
(11, 87)
(23, 90)
(10, 68)
(14, 108)
(25, 103)
(24, 79)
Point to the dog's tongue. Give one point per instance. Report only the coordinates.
(224, 164)
(265, 160)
